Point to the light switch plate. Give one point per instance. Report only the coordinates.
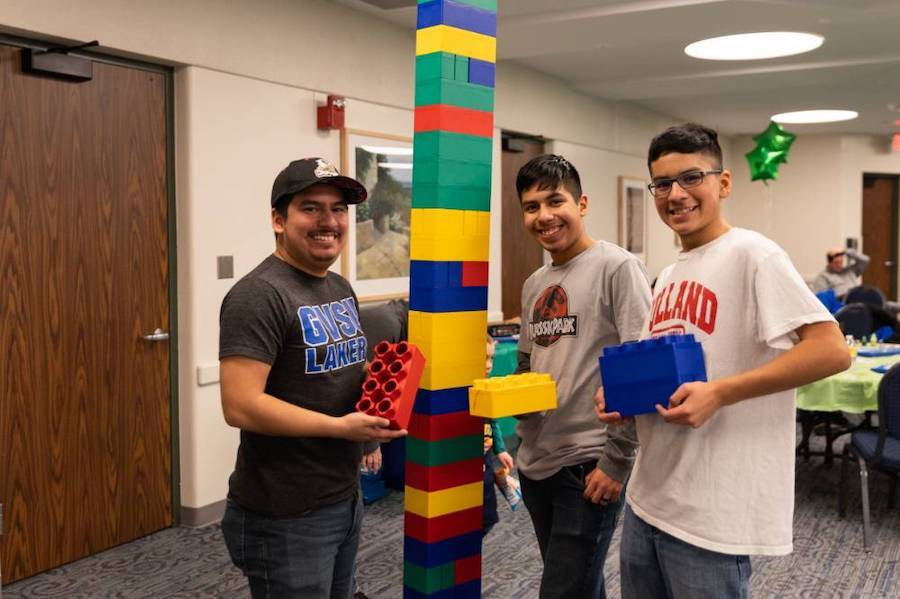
(225, 267)
(207, 375)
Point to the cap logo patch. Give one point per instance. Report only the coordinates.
(325, 169)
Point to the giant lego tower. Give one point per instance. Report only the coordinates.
(455, 57)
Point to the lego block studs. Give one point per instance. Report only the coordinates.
(512, 395)
(640, 374)
(389, 390)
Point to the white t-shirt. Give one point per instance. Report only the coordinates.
(727, 486)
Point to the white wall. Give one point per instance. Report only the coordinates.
(249, 75)
(816, 202)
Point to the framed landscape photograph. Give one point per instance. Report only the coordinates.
(376, 258)
(634, 197)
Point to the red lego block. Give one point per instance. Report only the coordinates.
(445, 476)
(455, 119)
(474, 274)
(433, 530)
(390, 387)
(444, 426)
(466, 569)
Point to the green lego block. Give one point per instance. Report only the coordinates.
(445, 145)
(490, 5)
(445, 451)
(429, 580)
(461, 72)
(454, 93)
(452, 173)
(451, 198)
(437, 65)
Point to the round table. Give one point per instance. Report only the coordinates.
(855, 390)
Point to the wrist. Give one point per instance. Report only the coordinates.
(723, 392)
(334, 427)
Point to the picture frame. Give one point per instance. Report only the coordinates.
(376, 257)
(634, 198)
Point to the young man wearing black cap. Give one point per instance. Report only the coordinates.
(292, 357)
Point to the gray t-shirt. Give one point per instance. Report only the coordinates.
(569, 313)
(307, 328)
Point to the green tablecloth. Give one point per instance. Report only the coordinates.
(855, 390)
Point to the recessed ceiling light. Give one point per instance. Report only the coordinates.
(815, 116)
(754, 46)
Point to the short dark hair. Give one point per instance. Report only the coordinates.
(281, 205)
(688, 138)
(548, 171)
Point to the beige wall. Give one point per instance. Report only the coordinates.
(248, 77)
(816, 202)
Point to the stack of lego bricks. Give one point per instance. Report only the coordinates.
(455, 57)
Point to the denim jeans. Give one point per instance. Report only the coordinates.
(572, 532)
(312, 556)
(656, 564)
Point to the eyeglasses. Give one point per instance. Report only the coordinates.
(662, 187)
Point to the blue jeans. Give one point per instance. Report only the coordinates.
(656, 564)
(312, 556)
(572, 532)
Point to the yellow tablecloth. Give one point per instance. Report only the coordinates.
(855, 390)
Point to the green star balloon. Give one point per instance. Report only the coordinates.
(776, 138)
(772, 146)
(764, 163)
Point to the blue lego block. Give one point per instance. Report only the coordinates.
(640, 374)
(482, 72)
(442, 401)
(459, 15)
(372, 487)
(449, 299)
(434, 273)
(429, 555)
(467, 590)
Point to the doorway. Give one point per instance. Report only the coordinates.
(879, 232)
(521, 255)
(86, 375)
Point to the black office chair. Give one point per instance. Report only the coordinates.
(879, 449)
(861, 319)
(865, 294)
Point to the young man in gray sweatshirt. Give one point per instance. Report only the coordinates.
(591, 295)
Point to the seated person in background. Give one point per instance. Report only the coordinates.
(842, 271)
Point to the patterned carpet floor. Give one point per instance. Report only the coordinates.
(828, 560)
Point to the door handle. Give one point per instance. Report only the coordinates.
(888, 263)
(157, 335)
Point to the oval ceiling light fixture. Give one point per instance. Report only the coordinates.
(754, 46)
(815, 116)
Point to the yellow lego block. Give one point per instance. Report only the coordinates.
(446, 501)
(443, 38)
(453, 344)
(448, 375)
(438, 234)
(512, 395)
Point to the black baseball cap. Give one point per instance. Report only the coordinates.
(306, 172)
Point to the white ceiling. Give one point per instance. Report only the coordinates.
(634, 51)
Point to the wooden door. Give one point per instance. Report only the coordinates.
(84, 401)
(879, 231)
(521, 252)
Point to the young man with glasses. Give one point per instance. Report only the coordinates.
(591, 295)
(714, 479)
